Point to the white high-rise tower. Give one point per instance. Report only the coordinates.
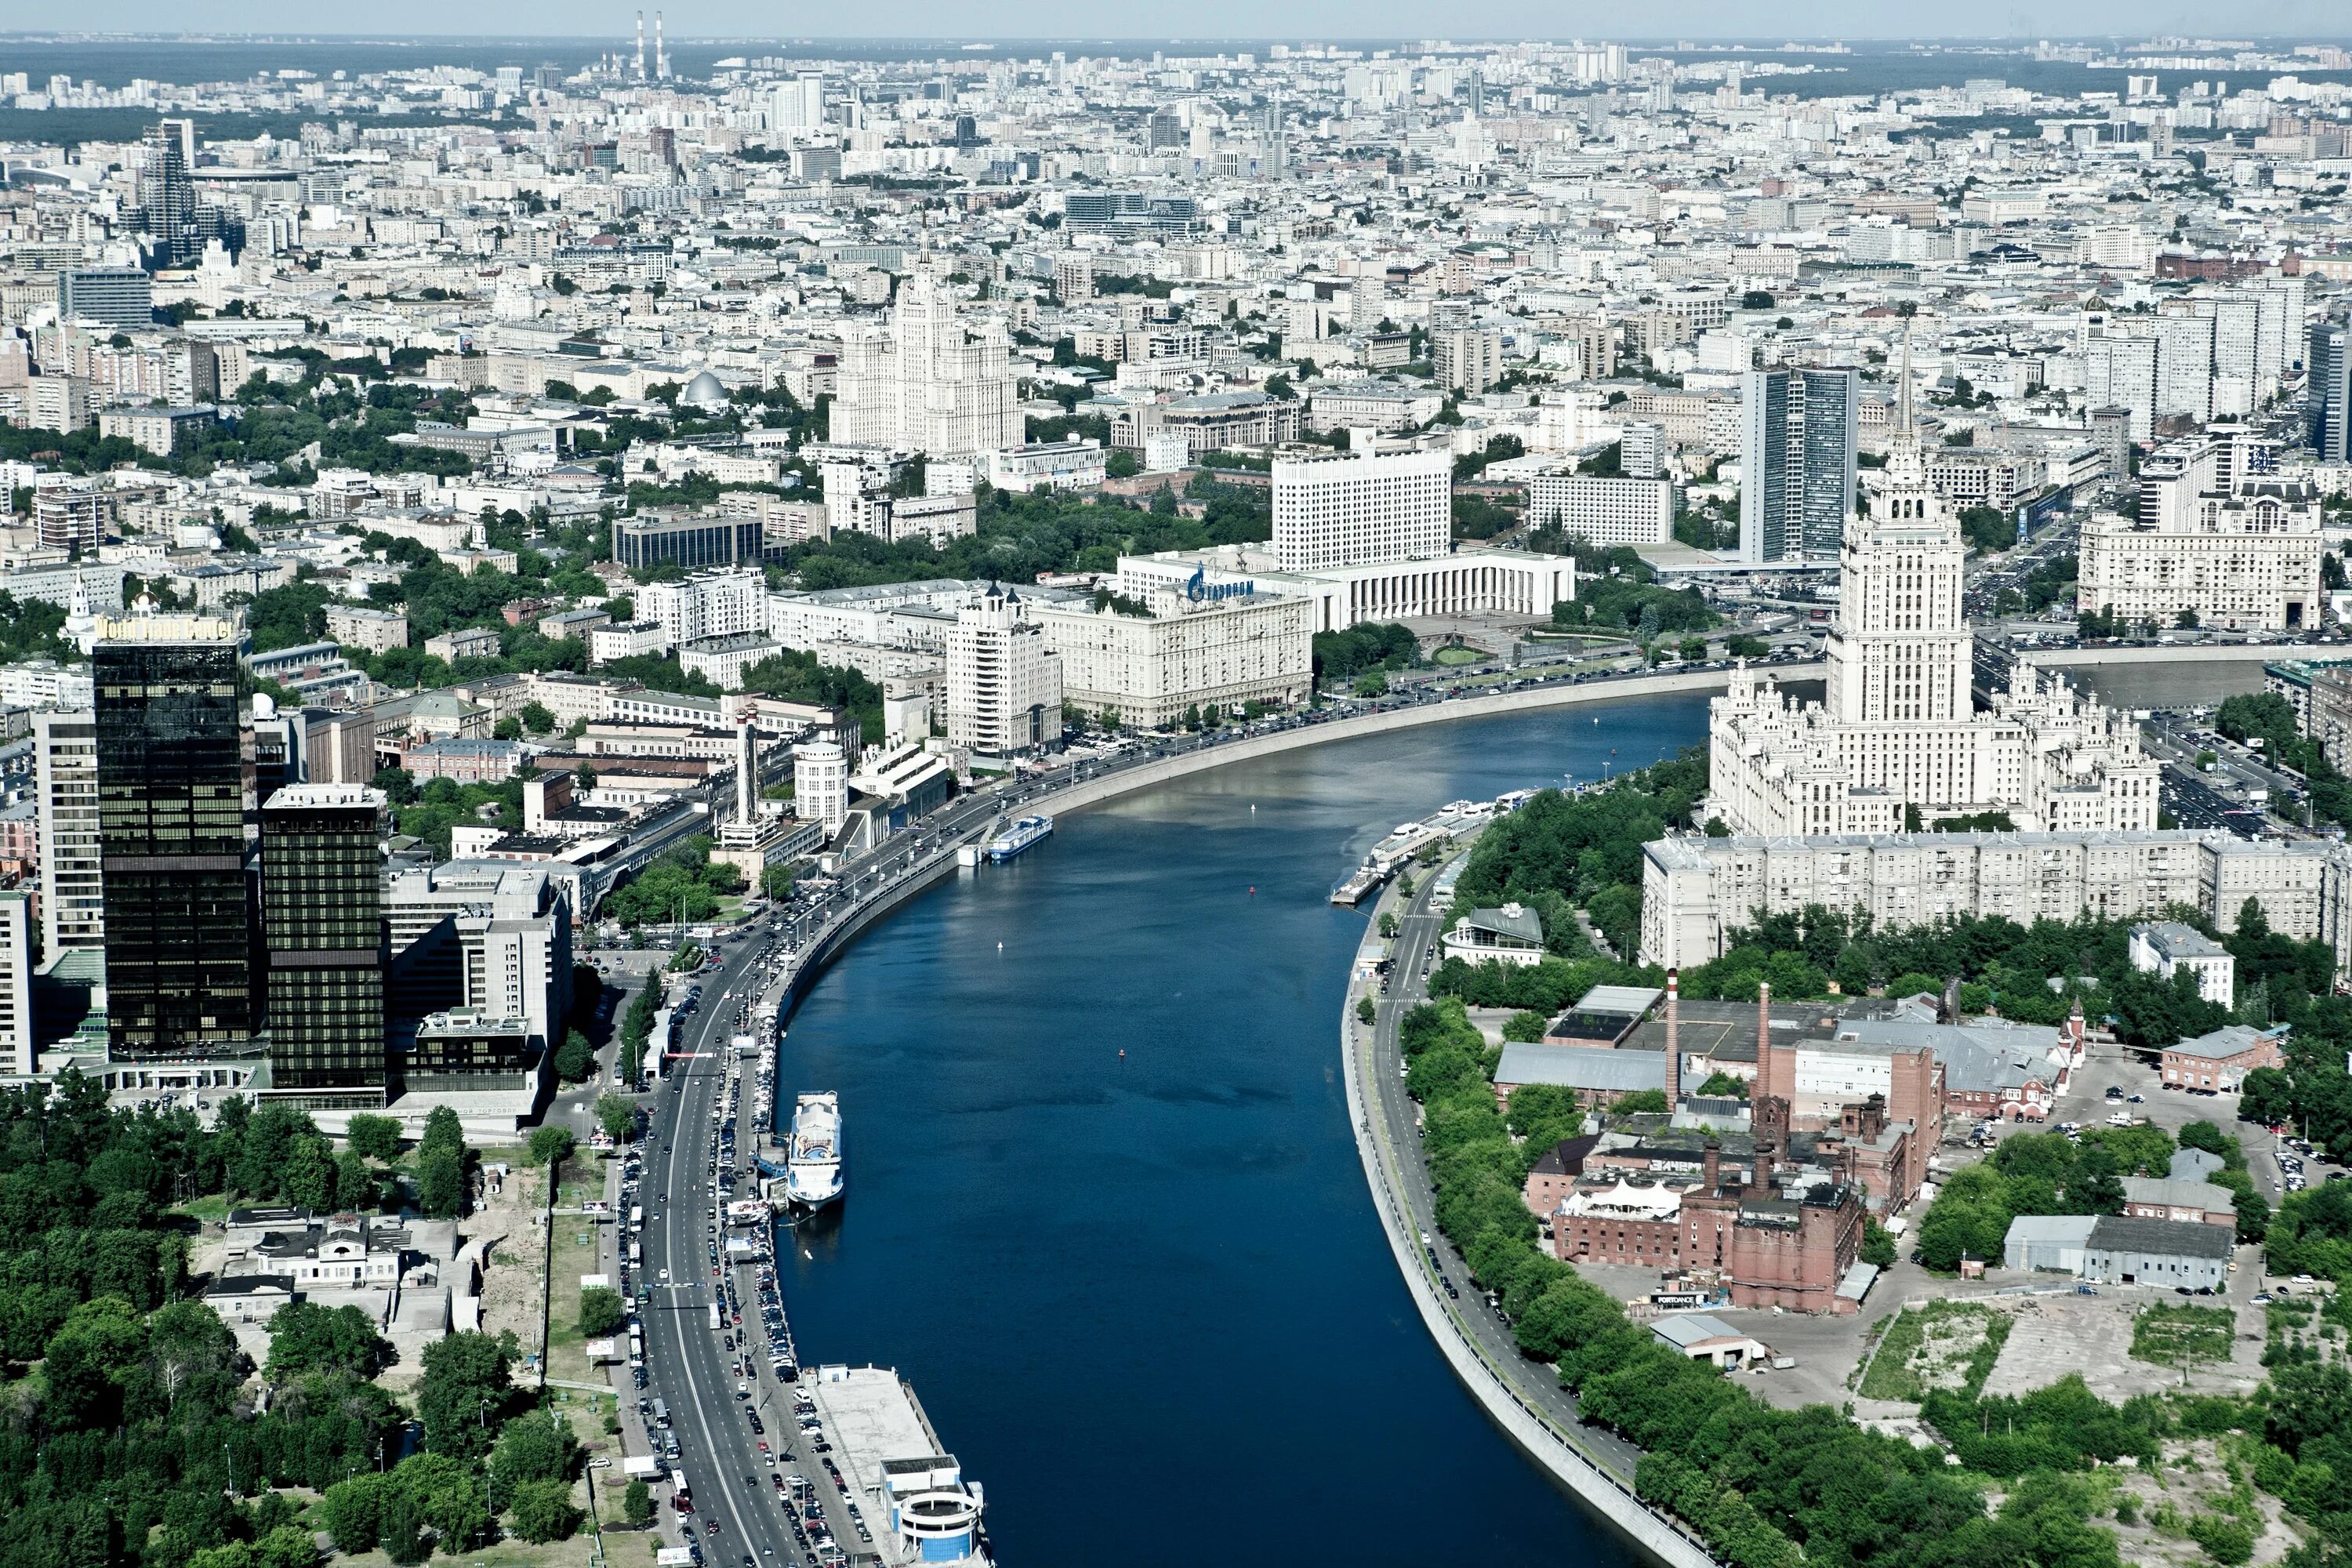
(1902, 649)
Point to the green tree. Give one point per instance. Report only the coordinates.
(375, 1138)
(354, 1511)
(638, 1503)
(1526, 1026)
(306, 1337)
(310, 1176)
(441, 1182)
(617, 1115)
(537, 1447)
(601, 1312)
(464, 1388)
(575, 1059)
(1366, 1013)
(550, 1146)
(543, 1511)
(288, 1546)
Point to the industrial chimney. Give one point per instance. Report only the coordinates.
(1673, 1040)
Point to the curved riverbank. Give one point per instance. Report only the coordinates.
(1557, 1452)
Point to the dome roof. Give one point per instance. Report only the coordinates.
(704, 391)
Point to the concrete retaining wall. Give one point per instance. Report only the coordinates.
(1601, 1492)
(1094, 792)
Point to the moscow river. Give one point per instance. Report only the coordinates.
(1145, 1300)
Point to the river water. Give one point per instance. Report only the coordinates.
(1146, 1301)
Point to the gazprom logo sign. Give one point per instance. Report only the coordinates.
(1201, 591)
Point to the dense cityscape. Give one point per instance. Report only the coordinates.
(1795, 591)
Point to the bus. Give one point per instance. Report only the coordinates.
(714, 1317)
(661, 1415)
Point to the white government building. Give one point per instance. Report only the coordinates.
(1341, 509)
(1896, 730)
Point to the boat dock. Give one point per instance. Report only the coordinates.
(1441, 828)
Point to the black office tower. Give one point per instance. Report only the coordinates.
(322, 913)
(2328, 396)
(175, 784)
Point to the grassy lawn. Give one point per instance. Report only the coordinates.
(213, 1210)
(574, 1253)
(2182, 1336)
(576, 1552)
(1459, 656)
(1950, 1345)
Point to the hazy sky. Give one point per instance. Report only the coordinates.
(1163, 19)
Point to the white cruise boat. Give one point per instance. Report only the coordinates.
(812, 1160)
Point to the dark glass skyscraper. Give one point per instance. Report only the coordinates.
(322, 913)
(1797, 462)
(2329, 394)
(175, 788)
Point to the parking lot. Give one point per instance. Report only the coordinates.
(2110, 1065)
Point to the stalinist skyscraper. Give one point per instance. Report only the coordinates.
(925, 384)
(1896, 737)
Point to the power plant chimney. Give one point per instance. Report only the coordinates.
(641, 45)
(1673, 1040)
(661, 51)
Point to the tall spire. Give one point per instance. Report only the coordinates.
(1903, 430)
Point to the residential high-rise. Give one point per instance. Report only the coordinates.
(322, 916)
(19, 1052)
(1004, 683)
(2327, 409)
(927, 385)
(174, 793)
(798, 105)
(167, 194)
(2122, 372)
(73, 898)
(1360, 507)
(1797, 462)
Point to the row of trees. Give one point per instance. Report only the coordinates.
(2034, 974)
(1560, 851)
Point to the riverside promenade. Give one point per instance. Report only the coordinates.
(1522, 1397)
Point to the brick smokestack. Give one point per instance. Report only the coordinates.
(1711, 1180)
(1765, 1086)
(1674, 1040)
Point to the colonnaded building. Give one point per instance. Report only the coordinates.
(1897, 733)
(1696, 890)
